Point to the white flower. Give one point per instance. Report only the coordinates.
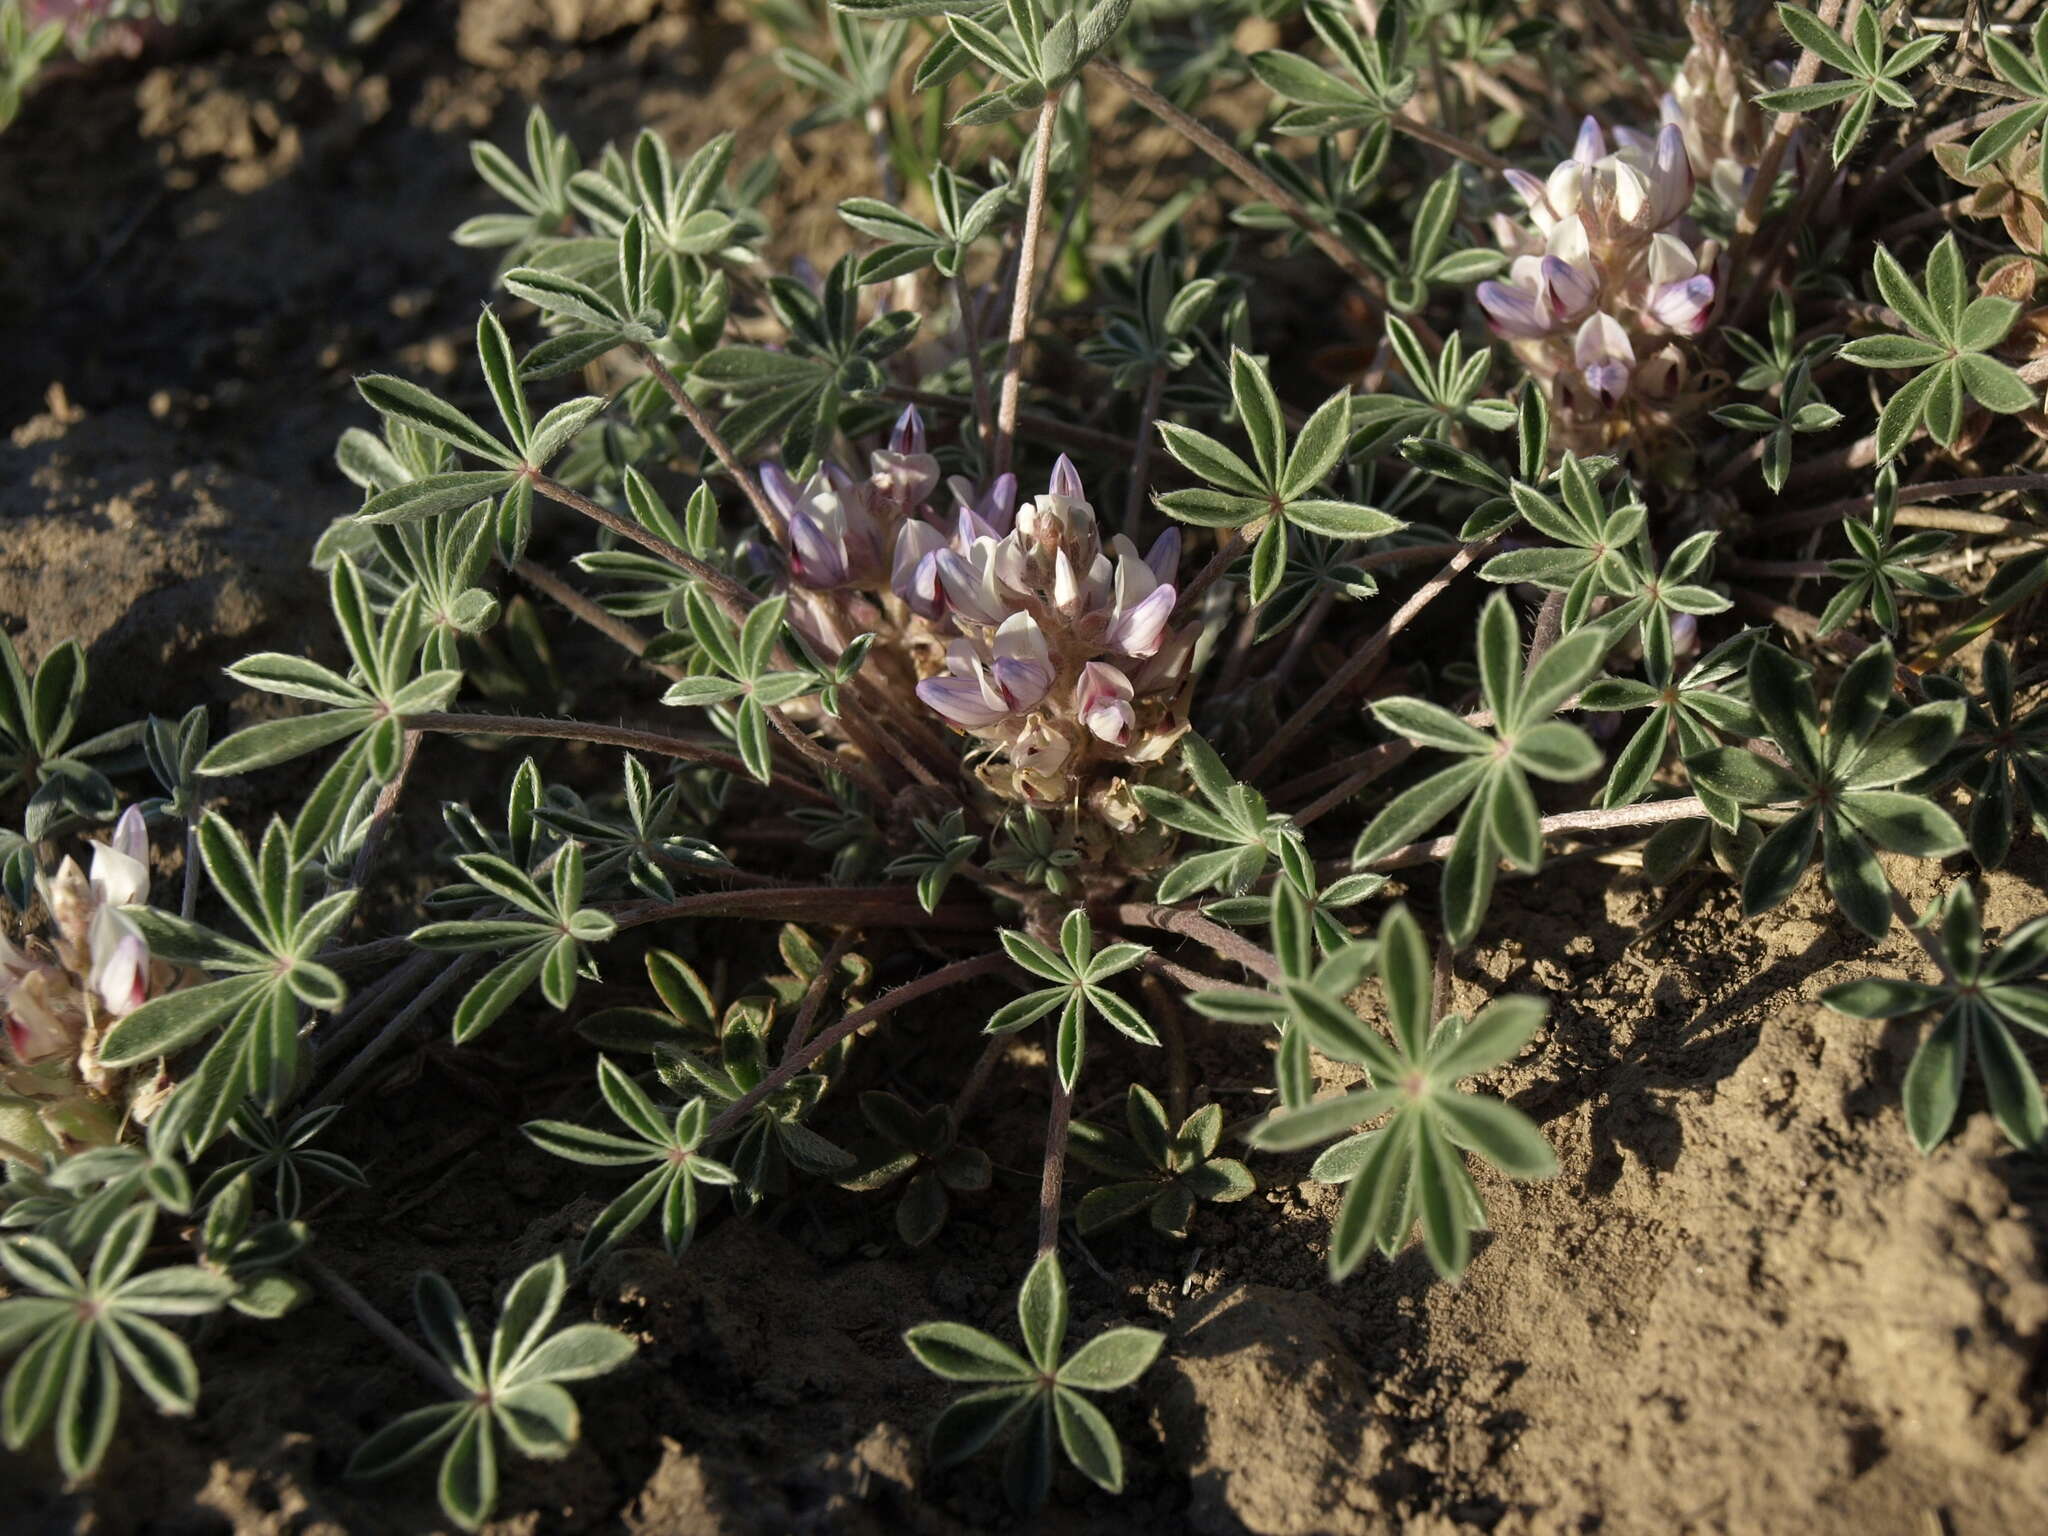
(1605, 358)
(1102, 698)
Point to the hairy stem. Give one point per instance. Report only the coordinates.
(814, 994)
(1365, 656)
(461, 724)
(1056, 1122)
(945, 976)
(701, 424)
(1782, 128)
(394, 1031)
(1141, 455)
(970, 334)
(610, 625)
(977, 1077)
(1027, 272)
(1227, 551)
(1917, 516)
(895, 906)
(1241, 166)
(383, 812)
(358, 1306)
(733, 599)
(188, 898)
(1620, 818)
(1081, 439)
(1192, 925)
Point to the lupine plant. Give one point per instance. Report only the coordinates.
(1047, 639)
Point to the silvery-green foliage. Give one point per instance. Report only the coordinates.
(1948, 348)
(2001, 754)
(747, 674)
(390, 677)
(1839, 785)
(1800, 409)
(641, 847)
(1447, 394)
(965, 213)
(513, 1387)
(1491, 777)
(1985, 997)
(1875, 72)
(546, 928)
(772, 1139)
(75, 1201)
(1039, 1401)
(1411, 1168)
(1279, 492)
(1157, 1169)
(1029, 847)
(944, 846)
(922, 1150)
(283, 1155)
(1077, 971)
(254, 1008)
(670, 1142)
(1882, 564)
(1227, 813)
(252, 1254)
(39, 715)
(795, 394)
(77, 1333)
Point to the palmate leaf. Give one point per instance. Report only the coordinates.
(1839, 785)
(669, 1141)
(1164, 1172)
(1874, 72)
(77, 1334)
(1985, 996)
(1491, 780)
(512, 1387)
(256, 1007)
(1078, 971)
(1030, 1399)
(1410, 1168)
(1276, 491)
(1950, 343)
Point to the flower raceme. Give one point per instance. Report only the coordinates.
(1023, 628)
(59, 996)
(1606, 270)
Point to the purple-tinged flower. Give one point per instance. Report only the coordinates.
(1570, 289)
(833, 536)
(914, 574)
(1605, 358)
(1681, 295)
(120, 868)
(904, 473)
(1102, 698)
(970, 584)
(1591, 147)
(1066, 480)
(998, 508)
(1517, 309)
(1533, 197)
(120, 963)
(975, 693)
(1022, 668)
(1142, 602)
